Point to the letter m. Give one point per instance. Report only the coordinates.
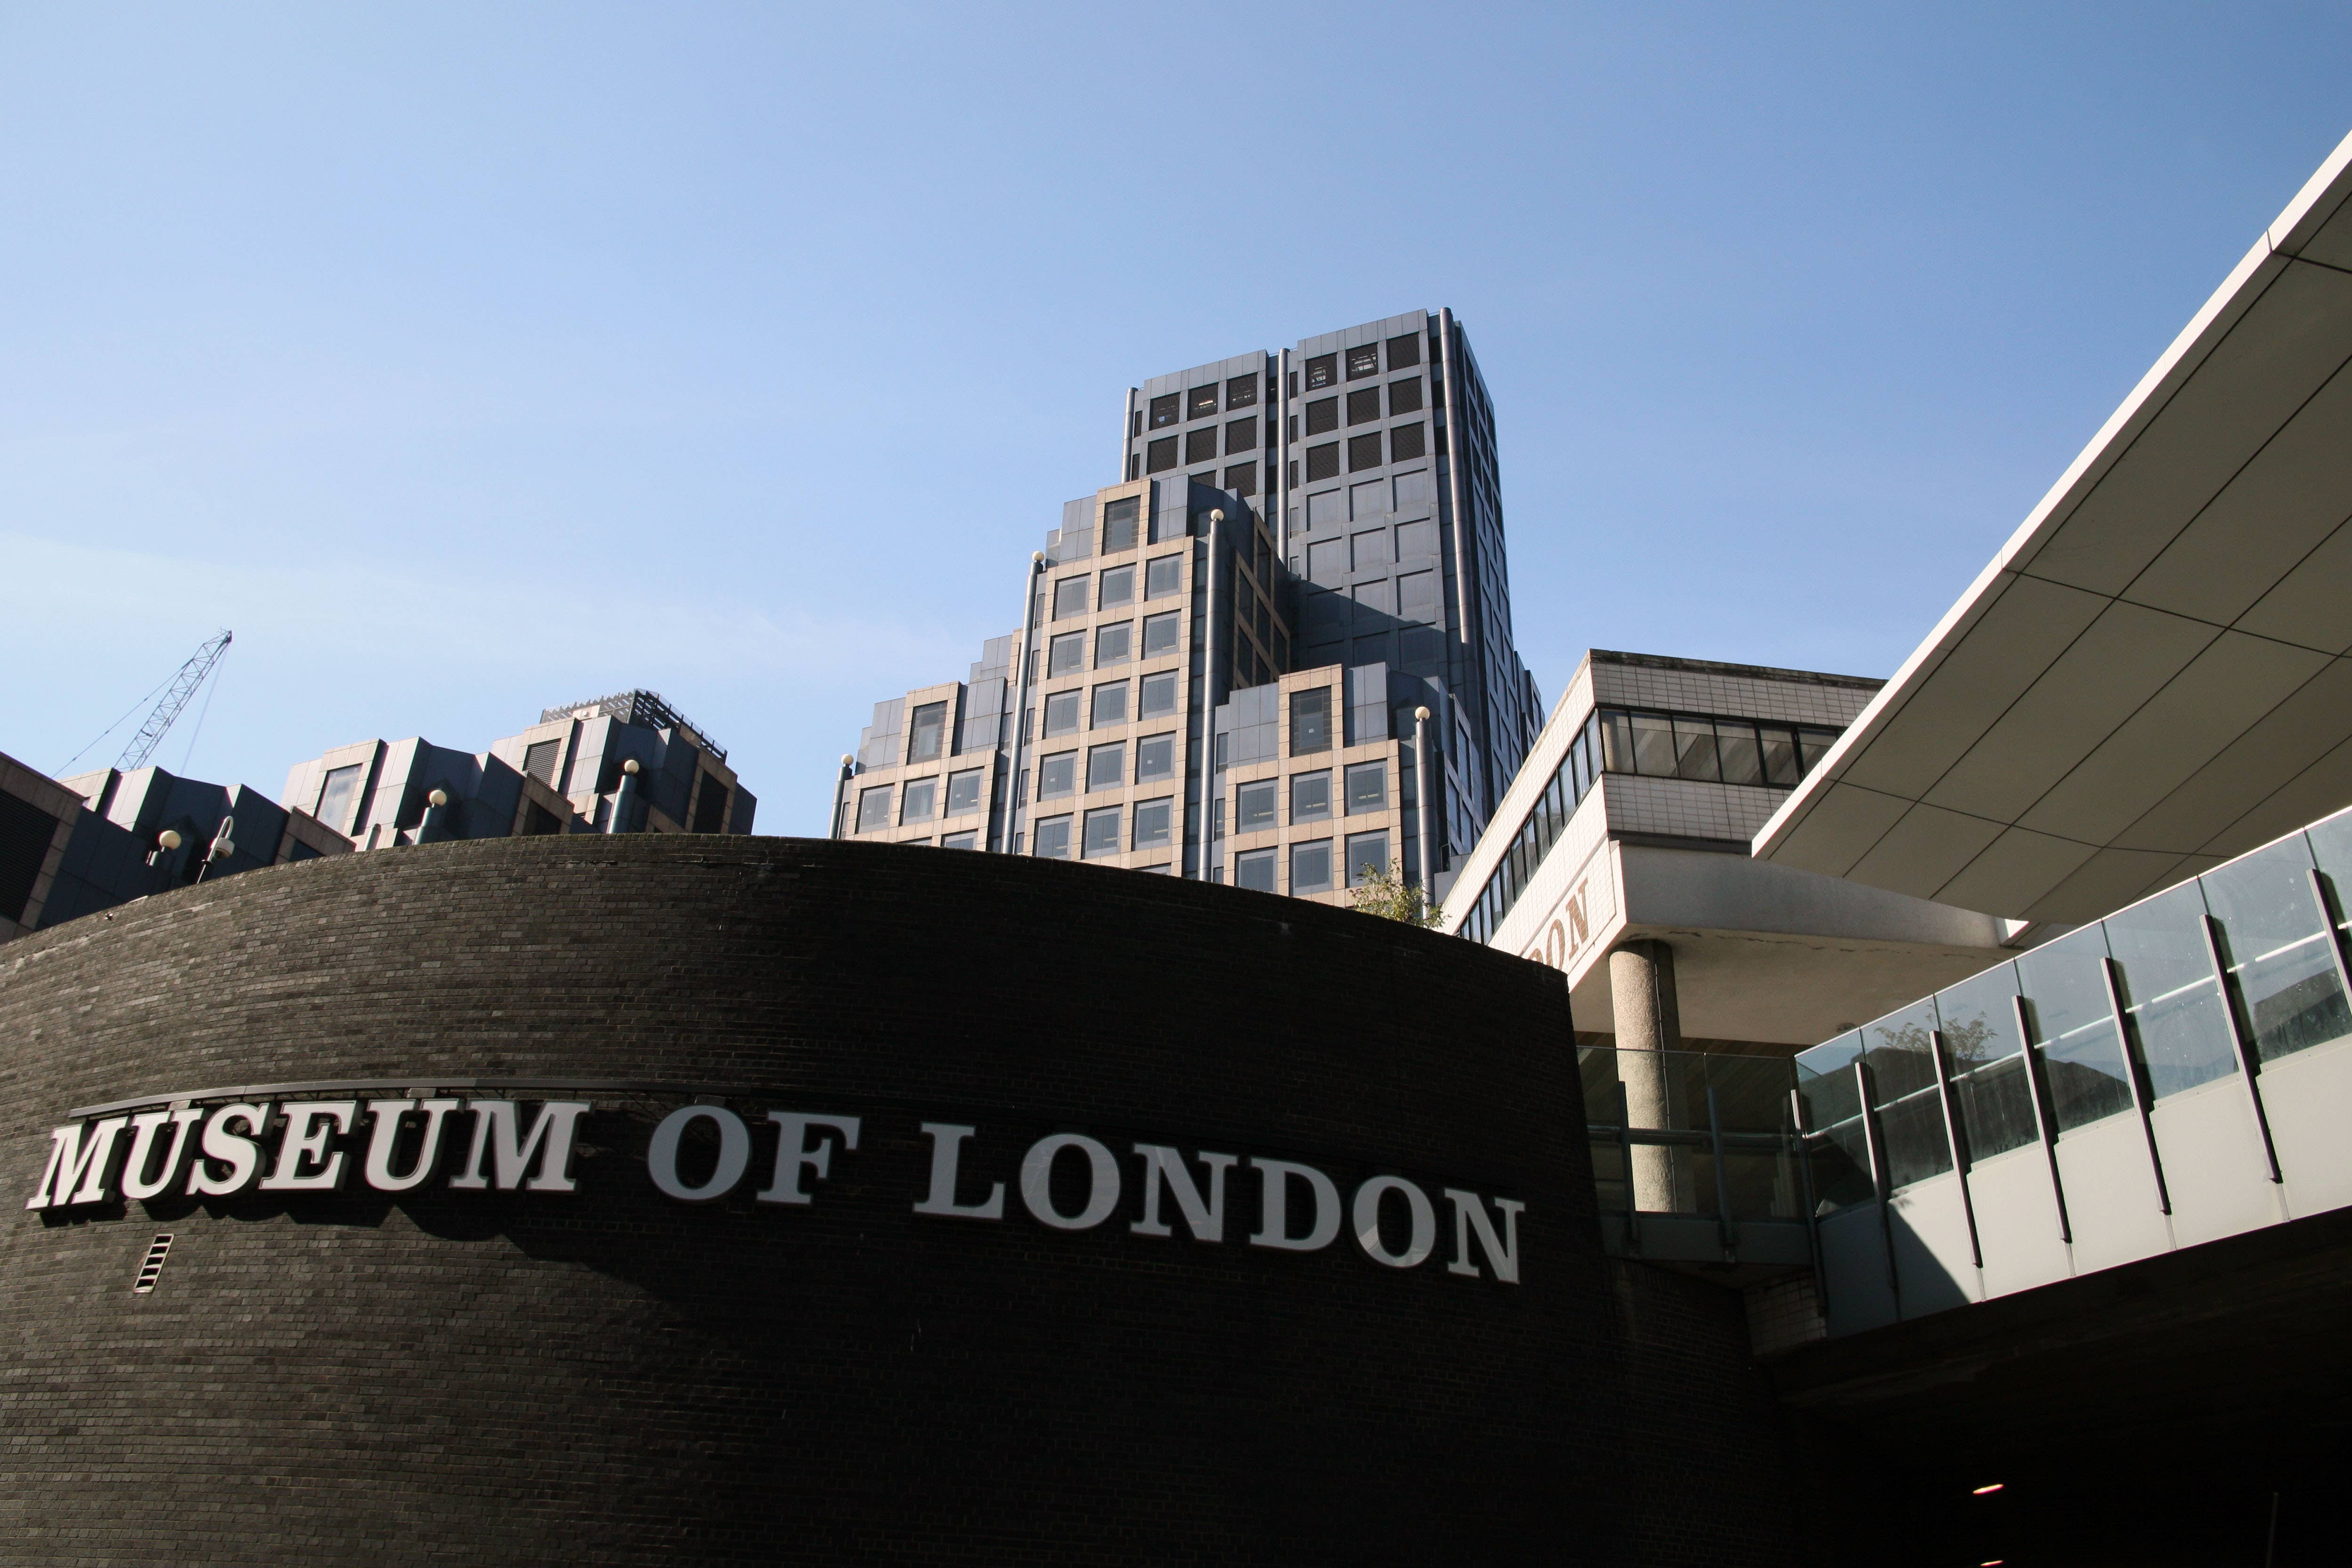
(76, 1164)
(1502, 1252)
(496, 1135)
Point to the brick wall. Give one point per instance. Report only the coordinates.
(613, 1378)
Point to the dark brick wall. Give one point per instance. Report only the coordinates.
(611, 1377)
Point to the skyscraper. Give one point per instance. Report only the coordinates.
(1248, 657)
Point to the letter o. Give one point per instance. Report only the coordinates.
(1368, 1222)
(1037, 1182)
(734, 1152)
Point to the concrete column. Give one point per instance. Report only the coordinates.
(1649, 1025)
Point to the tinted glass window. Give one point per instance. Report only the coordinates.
(1254, 870)
(1311, 721)
(963, 792)
(1053, 840)
(1160, 455)
(1159, 634)
(1694, 749)
(539, 761)
(1780, 754)
(1102, 832)
(920, 800)
(1106, 766)
(873, 809)
(926, 732)
(1322, 414)
(1990, 1088)
(1736, 748)
(1155, 758)
(1118, 524)
(1367, 857)
(2280, 955)
(1062, 713)
(1152, 823)
(1368, 786)
(1111, 705)
(1165, 577)
(1114, 645)
(1117, 588)
(1364, 362)
(1322, 371)
(970, 840)
(1164, 410)
(1057, 775)
(1069, 598)
(2170, 992)
(1310, 867)
(1201, 402)
(1253, 806)
(1404, 397)
(2066, 998)
(1159, 695)
(1310, 796)
(341, 787)
(1241, 391)
(1654, 745)
(1066, 654)
(1405, 351)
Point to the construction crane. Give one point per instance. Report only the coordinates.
(183, 686)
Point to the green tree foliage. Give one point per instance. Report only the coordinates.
(1387, 895)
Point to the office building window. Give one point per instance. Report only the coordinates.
(1241, 391)
(1160, 455)
(1100, 833)
(1310, 867)
(1118, 524)
(1163, 577)
(1062, 713)
(1241, 436)
(1117, 588)
(1368, 787)
(1155, 758)
(1404, 397)
(539, 761)
(1253, 807)
(1069, 598)
(963, 792)
(1159, 695)
(1310, 796)
(1364, 362)
(926, 732)
(1323, 461)
(1201, 403)
(1405, 351)
(1111, 705)
(1153, 820)
(873, 809)
(920, 801)
(1254, 869)
(1407, 441)
(1066, 654)
(1367, 857)
(1106, 766)
(1242, 479)
(1164, 410)
(1322, 416)
(1322, 371)
(342, 787)
(1363, 452)
(1052, 839)
(1159, 633)
(1311, 721)
(1363, 405)
(1057, 775)
(966, 841)
(1200, 446)
(1134, 471)
(1114, 645)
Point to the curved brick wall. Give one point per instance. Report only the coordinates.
(610, 1377)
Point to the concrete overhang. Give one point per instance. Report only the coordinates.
(2151, 677)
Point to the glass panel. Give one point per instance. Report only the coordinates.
(1118, 524)
(1617, 743)
(2166, 980)
(1106, 766)
(1054, 838)
(1057, 775)
(2280, 959)
(2082, 1057)
(917, 802)
(1117, 587)
(1070, 597)
(1160, 634)
(1367, 857)
(1994, 1098)
(1253, 807)
(1368, 786)
(1155, 758)
(1814, 745)
(1114, 645)
(1310, 867)
(1910, 1112)
(1068, 654)
(1163, 577)
(1751, 1092)
(342, 787)
(963, 792)
(1062, 713)
(1159, 695)
(1743, 763)
(873, 809)
(1654, 745)
(1254, 870)
(1694, 749)
(1102, 832)
(928, 724)
(1825, 1080)
(1311, 721)
(1151, 824)
(1780, 750)
(1310, 797)
(1111, 705)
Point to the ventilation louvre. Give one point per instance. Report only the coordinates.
(151, 1268)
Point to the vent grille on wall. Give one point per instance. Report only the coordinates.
(152, 1268)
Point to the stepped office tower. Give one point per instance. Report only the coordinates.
(1229, 647)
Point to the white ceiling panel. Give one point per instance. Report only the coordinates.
(2015, 870)
(1844, 823)
(2107, 882)
(2319, 791)
(2278, 746)
(1926, 849)
(2308, 607)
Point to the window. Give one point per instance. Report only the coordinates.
(1114, 645)
(1310, 866)
(873, 809)
(1367, 857)
(1164, 410)
(1363, 452)
(1152, 823)
(919, 801)
(1405, 351)
(1160, 455)
(970, 840)
(1069, 598)
(1311, 721)
(1201, 403)
(1310, 796)
(1242, 479)
(1368, 787)
(1779, 758)
(1101, 833)
(539, 761)
(1241, 391)
(1694, 750)
(342, 787)
(1736, 749)
(1654, 745)
(1111, 705)
(1200, 446)
(1159, 695)
(1407, 441)
(1322, 371)
(926, 732)
(1052, 839)
(1404, 397)
(1118, 524)
(1364, 362)
(1159, 633)
(1165, 577)
(963, 792)
(1066, 654)
(1241, 436)
(1254, 869)
(1155, 758)
(1364, 405)
(1062, 713)
(1814, 745)
(1134, 470)
(1253, 807)
(1057, 775)
(1323, 415)
(1117, 588)
(1323, 461)
(1107, 767)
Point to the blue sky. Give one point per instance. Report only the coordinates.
(466, 360)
